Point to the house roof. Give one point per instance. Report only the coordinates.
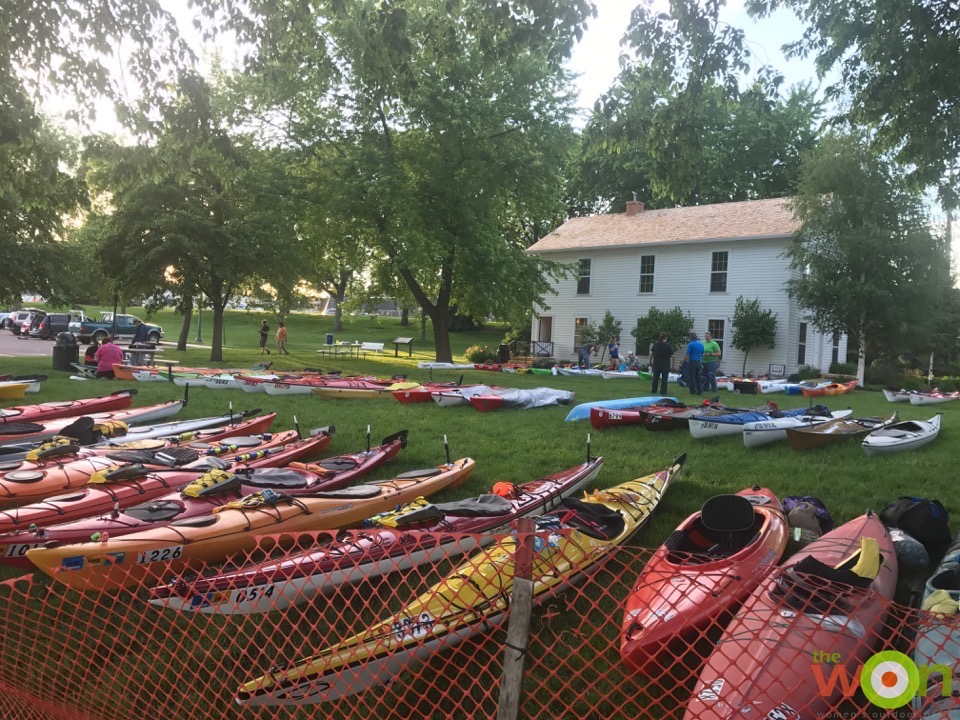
(751, 219)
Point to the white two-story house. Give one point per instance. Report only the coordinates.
(700, 259)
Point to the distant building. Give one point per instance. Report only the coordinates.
(700, 259)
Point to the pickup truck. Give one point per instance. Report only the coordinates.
(124, 329)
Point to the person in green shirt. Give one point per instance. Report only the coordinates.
(711, 361)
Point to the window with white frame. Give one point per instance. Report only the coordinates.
(715, 328)
(718, 271)
(802, 345)
(578, 326)
(835, 349)
(647, 264)
(583, 278)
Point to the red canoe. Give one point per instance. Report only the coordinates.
(827, 601)
(699, 577)
(374, 551)
(120, 400)
(95, 499)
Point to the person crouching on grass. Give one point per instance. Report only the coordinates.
(108, 355)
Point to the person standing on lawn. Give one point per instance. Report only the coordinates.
(660, 355)
(711, 361)
(141, 336)
(281, 339)
(583, 352)
(694, 357)
(614, 348)
(264, 334)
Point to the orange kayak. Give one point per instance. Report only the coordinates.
(130, 560)
(831, 389)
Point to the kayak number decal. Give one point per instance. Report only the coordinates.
(408, 628)
(254, 593)
(17, 551)
(615, 415)
(710, 426)
(160, 555)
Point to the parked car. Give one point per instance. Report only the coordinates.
(24, 327)
(14, 321)
(49, 325)
(88, 330)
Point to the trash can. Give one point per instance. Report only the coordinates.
(65, 352)
(503, 354)
(329, 338)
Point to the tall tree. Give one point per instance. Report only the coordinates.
(896, 61)
(51, 46)
(864, 253)
(445, 117)
(678, 101)
(191, 209)
(753, 327)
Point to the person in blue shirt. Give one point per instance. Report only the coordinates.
(694, 357)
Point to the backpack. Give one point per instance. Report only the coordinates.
(823, 516)
(926, 520)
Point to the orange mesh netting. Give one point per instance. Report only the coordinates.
(694, 643)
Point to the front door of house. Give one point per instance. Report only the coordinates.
(546, 329)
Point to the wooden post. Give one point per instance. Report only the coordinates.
(518, 631)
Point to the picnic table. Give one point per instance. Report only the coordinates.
(351, 349)
(142, 356)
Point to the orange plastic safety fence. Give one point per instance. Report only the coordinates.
(393, 624)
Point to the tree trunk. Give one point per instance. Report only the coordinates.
(185, 326)
(441, 336)
(423, 325)
(338, 315)
(930, 371)
(861, 357)
(743, 372)
(216, 347)
(405, 317)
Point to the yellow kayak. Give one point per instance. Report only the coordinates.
(126, 561)
(571, 542)
(13, 390)
(362, 390)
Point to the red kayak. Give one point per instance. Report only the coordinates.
(700, 576)
(666, 414)
(134, 484)
(828, 601)
(120, 400)
(27, 432)
(199, 497)
(394, 541)
(56, 468)
(486, 403)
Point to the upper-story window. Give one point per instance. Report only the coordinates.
(647, 263)
(718, 272)
(583, 278)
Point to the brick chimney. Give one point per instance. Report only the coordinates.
(634, 207)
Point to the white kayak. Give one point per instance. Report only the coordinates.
(772, 386)
(444, 366)
(449, 399)
(763, 432)
(934, 398)
(897, 395)
(288, 388)
(906, 435)
(578, 371)
(618, 374)
(224, 381)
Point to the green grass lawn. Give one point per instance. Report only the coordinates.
(518, 446)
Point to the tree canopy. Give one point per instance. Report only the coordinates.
(675, 323)
(896, 61)
(864, 254)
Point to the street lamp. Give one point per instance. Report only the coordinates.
(199, 338)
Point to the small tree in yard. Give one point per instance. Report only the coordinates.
(752, 327)
(675, 323)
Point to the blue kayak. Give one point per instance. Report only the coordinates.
(582, 411)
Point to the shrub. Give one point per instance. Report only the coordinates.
(807, 372)
(544, 363)
(839, 368)
(481, 354)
